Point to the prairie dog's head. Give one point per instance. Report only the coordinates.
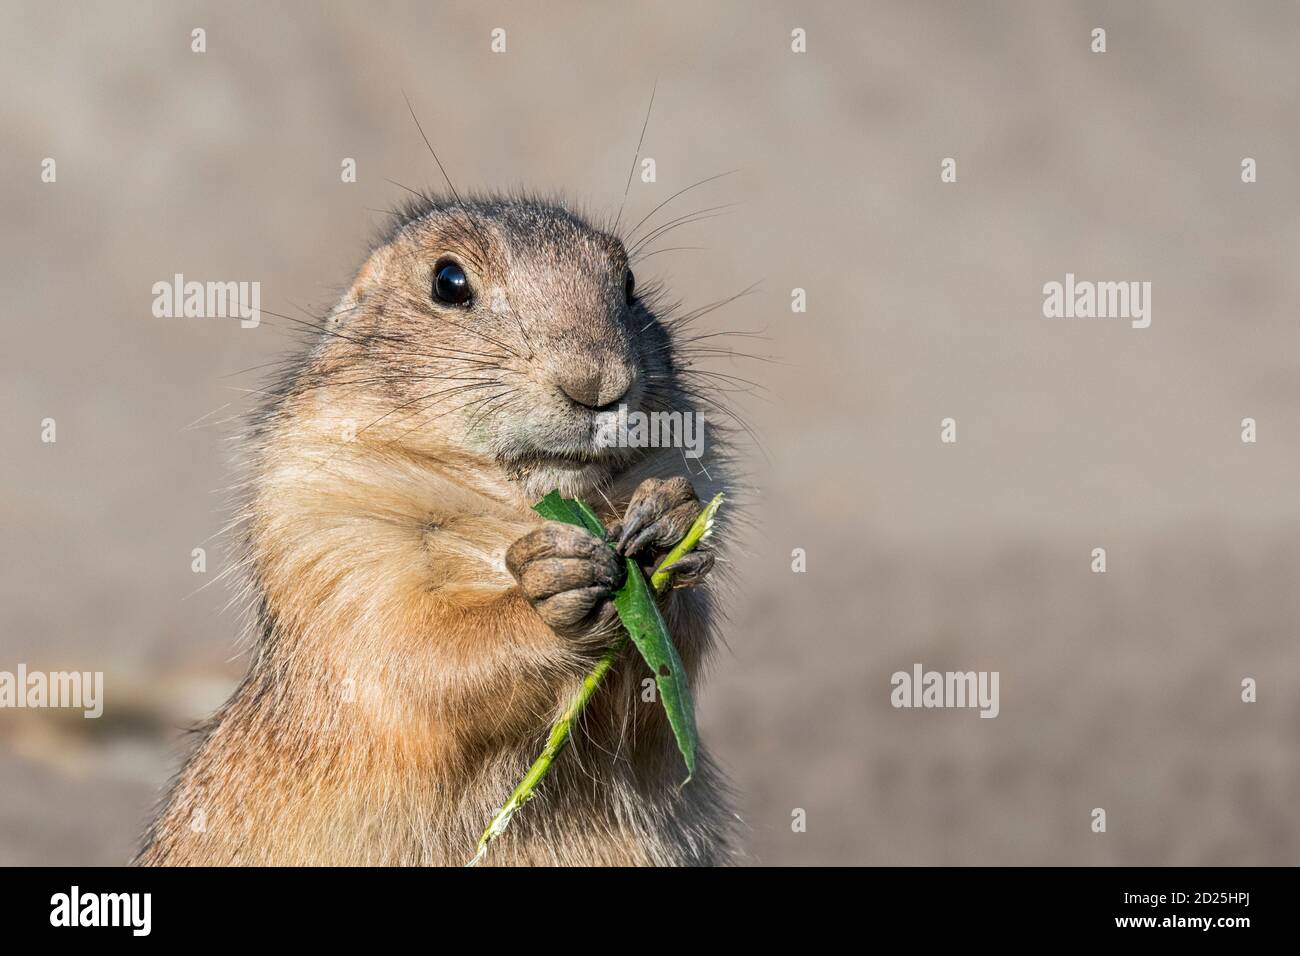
(507, 330)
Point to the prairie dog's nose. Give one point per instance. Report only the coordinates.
(594, 384)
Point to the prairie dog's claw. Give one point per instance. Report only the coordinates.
(691, 569)
(658, 516)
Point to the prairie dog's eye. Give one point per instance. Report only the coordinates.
(629, 285)
(450, 284)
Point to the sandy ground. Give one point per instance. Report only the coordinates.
(1119, 691)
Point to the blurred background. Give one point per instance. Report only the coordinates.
(1119, 690)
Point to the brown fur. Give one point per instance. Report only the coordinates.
(403, 679)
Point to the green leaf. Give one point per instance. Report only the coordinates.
(555, 507)
(639, 613)
(589, 519)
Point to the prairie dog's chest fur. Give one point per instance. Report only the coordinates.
(402, 679)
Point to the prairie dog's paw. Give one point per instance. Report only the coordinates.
(569, 576)
(658, 516)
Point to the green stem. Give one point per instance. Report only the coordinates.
(555, 743)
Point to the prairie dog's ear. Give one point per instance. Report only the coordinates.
(369, 276)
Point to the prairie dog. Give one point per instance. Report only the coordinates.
(417, 625)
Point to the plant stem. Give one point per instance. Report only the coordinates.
(697, 532)
(555, 743)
